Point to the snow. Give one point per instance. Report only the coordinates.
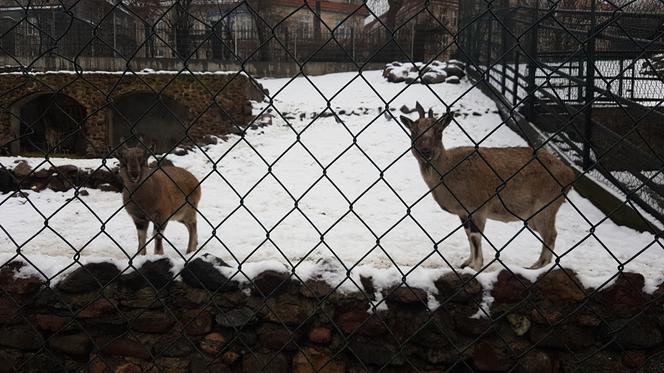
(319, 169)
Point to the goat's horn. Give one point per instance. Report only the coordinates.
(420, 109)
(431, 113)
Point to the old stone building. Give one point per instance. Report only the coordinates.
(72, 114)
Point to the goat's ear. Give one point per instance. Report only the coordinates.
(420, 109)
(406, 121)
(431, 113)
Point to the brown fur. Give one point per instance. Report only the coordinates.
(504, 184)
(157, 196)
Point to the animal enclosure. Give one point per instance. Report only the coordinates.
(491, 201)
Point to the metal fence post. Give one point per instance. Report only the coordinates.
(507, 25)
(590, 88)
(532, 64)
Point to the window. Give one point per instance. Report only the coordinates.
(31, 27)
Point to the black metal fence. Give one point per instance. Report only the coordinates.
(586, 79)
(583, 83)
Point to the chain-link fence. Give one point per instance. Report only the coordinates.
(482, 200)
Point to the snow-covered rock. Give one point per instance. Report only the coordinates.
(418, 72)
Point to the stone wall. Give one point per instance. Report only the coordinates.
(101, 319)
(257, 69)
(216, 102)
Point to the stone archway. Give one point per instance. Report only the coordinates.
(159, 119)
(48, 122)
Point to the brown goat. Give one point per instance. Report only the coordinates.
(504, 184)
(157, 196)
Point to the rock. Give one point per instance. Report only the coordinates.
(83, 193)
(43, 363)
(310, 360)
(486, 358)
(270, 283)
(634, 359)
(454, 71)
(520, 323)
(121, 346)
(172, 364)
(213, 343)
(75, 344)
(368, 286)
(637, 333)
(22, 170)
(89, 277)
(564, 336)
(9, 312)
(21, 337)
(235, 318)
(196, 322)
(453, 80)
(434, 78)
(145, 297)
(202, 274)
(625, 298)
(654, 364)
(290, 309)
(155, 274)
(316, 289)
(374, 351)
(96, 309)
(560, 286)
(462, 288)
(510, 288)
(13, 282)
(538, 362)
(473, 327)
(457, 63)
(265, 362)
(175, 346)
(10, 360)
(51, 323)
(230, 357)
(407, 295)
(277, 338)
(359, 322)
(320, 335)
(106, 364)
(200, 365)
(152, 322)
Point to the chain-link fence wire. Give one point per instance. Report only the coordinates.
(495, 39)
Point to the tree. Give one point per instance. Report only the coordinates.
(261, 11)
(182, 25)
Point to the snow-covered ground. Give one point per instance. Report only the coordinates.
(299, 214)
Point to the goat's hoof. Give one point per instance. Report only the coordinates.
(466, 263)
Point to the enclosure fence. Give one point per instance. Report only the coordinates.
(583, 80)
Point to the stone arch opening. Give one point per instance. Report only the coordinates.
(48, 122)
(159, 119)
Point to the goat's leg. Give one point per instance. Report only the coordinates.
(158, 235)
(142, 229)
(193, 234)
(474, 226)
(546, 227)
